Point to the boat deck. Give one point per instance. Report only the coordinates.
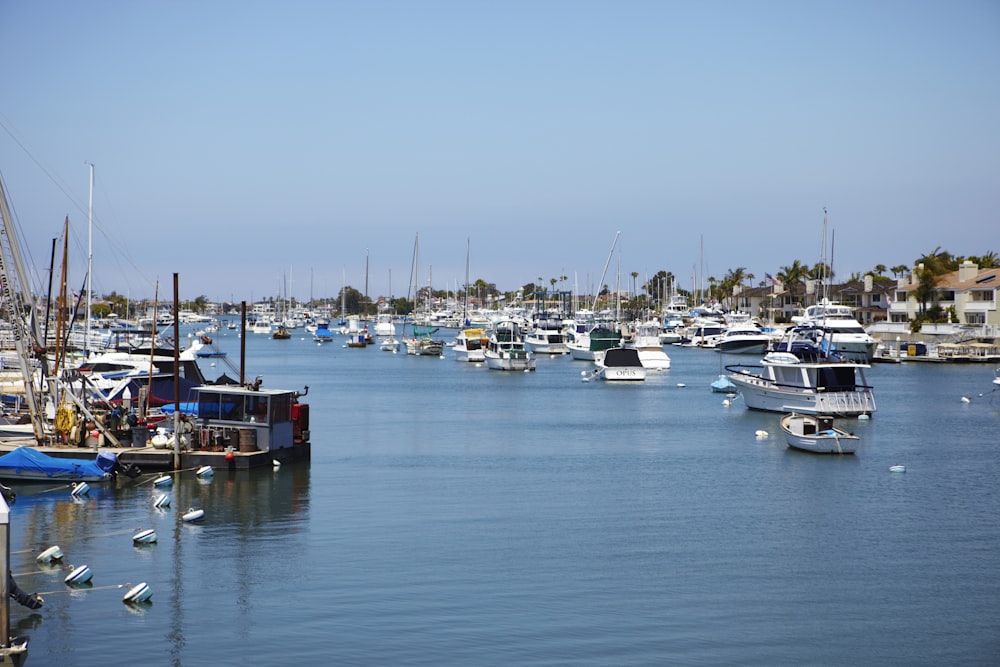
(151, 459)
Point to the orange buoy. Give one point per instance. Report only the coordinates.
(230, 456)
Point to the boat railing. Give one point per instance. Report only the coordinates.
(746, 371)
(845, 402)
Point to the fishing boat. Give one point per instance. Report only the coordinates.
(801, 376)
(506, 351)
(816, 433)
(26, 464)
(621, 364)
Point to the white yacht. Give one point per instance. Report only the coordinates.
(801, 377)
(848, 337)
(647, 344)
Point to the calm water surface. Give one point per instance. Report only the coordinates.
(455, 515)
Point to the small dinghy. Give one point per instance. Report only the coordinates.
(80, 489)
(166, 480)
(50, 554)
(147, 536)
(194, 515)
(161, 501)
(80, 575)
(205, 472)
(138, 593)
(897, 468)
(814, 433)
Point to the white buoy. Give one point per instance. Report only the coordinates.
(897, 468)
(138, 593)
(161, 501)
(966, 399)
(50, 554)
(147, 536)
(864, 417)
(80, 489)
(80, 575)
(681, 385)
(761, 434)
(194, 515)
(276, 463)
(205, 471)
(726, 403)
(166, 480)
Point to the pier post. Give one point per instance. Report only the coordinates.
(10, 652)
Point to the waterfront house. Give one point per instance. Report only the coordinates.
(971, 291)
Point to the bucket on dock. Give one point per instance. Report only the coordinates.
(248, 440)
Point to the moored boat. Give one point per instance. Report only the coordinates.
(803, 378)
(647, 344)
(743, 339)
(817, 433)
(621, 364)
(506, 351)
(470, 344)
(26, 464)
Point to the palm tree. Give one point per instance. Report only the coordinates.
(792, 276)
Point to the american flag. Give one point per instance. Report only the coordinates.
(768, 279)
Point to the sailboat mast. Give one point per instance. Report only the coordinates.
(822, 264)
(601, 283)
(90, 259)
(465, 306)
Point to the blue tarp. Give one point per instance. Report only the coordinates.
(26, 463)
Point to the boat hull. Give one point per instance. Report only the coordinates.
(510, 362)
(742, 346)
(761, 394)
(804, 433)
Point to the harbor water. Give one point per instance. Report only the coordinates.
(452, 515)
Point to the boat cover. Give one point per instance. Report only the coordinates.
(29, 463)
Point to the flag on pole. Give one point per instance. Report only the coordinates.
(768, 279)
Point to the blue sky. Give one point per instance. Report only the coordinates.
(247, 145)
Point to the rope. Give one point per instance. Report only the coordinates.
(82, 589)
(155, 476)
(87, 537)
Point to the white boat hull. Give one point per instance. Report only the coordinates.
(808, 434)
(521, 361)
(761, 394)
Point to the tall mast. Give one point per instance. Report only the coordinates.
(601, 282)
(822, 264)
(18, 303)
(90, 258)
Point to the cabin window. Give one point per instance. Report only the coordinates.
(255, 408)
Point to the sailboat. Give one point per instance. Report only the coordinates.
(384, 327)
(422, 345)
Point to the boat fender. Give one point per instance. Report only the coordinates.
(80, 575)
(138, 593)
(50, 554)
